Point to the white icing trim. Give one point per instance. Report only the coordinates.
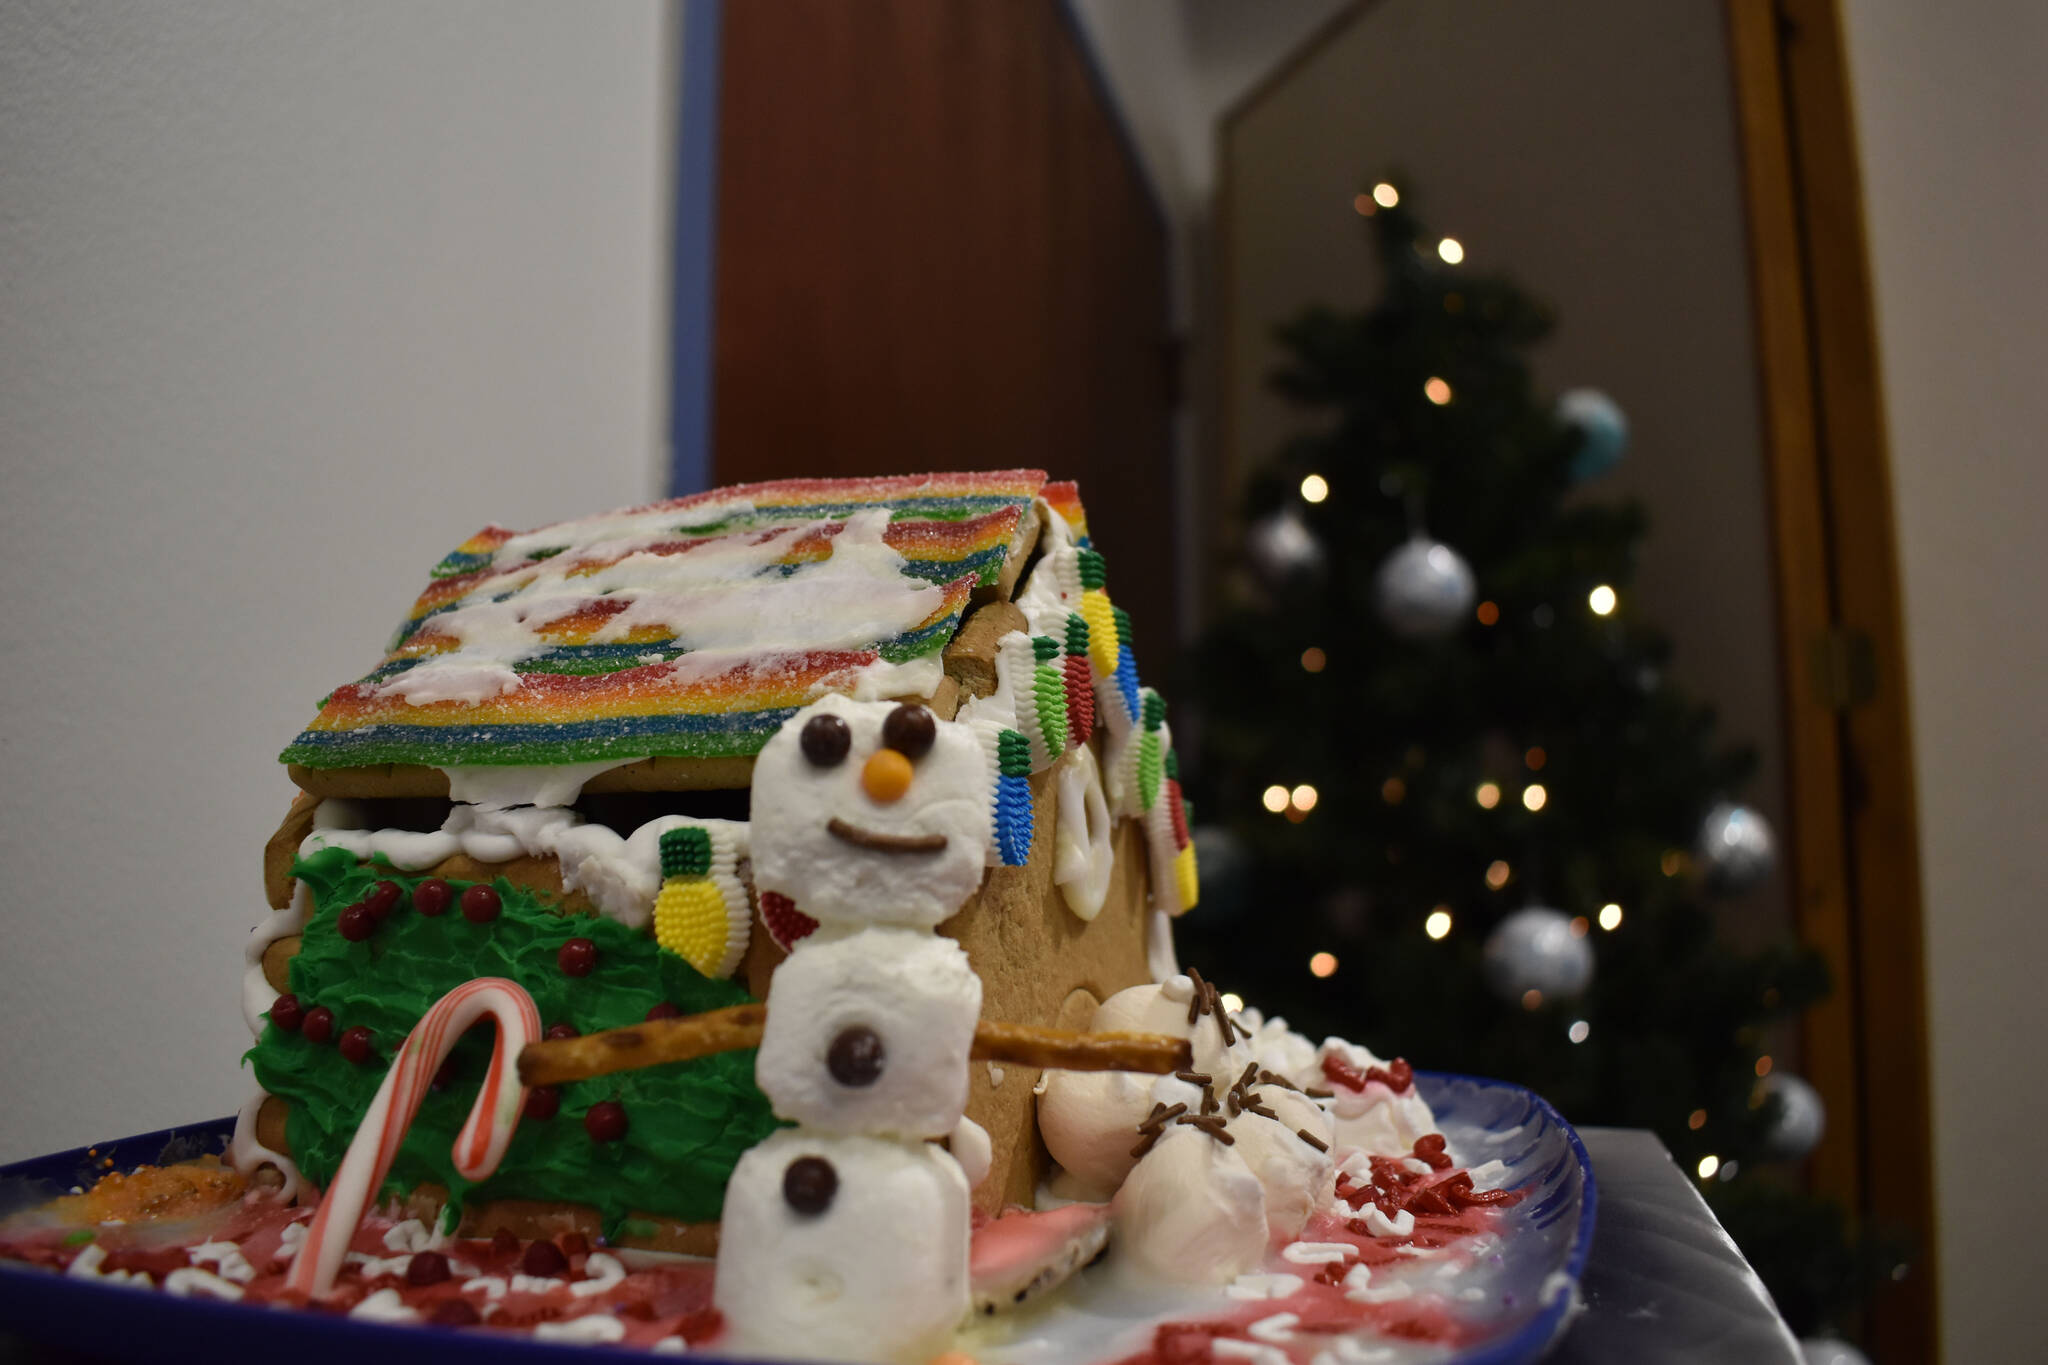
(1084, 834)
(247, 1155)
(257, 992)
(1160, 958)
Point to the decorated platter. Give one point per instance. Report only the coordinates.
(1501, 1294)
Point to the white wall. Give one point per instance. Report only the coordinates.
(293, 297)
(1952, 116)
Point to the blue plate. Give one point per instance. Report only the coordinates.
(1530, 1282)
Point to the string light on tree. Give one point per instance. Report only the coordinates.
(1708, 1165)
(1303, 797)
(1438, 925)
(1534, 797)
(1488, 795)
(1314, 488)
(1610, 916)
(1602, 600)
(1451, 250)
(1579, 1031)
(1385, 195)
(1275, 798)
(1437, 391)
(1322, 965)
(1313, 660)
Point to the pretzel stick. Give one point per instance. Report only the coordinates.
(699, 1035)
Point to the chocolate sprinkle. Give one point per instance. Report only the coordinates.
(1199, 1003)
(1312, 1140)
(1193, 1077)
(1211, 1124)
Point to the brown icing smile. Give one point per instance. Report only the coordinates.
(884, 843)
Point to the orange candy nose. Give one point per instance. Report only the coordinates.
(886, 776)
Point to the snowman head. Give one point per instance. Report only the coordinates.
(869, 1032)
(872, 813)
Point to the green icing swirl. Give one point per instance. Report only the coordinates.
(688, 1122)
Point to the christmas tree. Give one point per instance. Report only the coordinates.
(1459, 810)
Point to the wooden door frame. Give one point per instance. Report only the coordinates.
(1854, 858)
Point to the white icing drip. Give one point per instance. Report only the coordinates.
(384, 1306)
(590, 1328)
(543, 787)
(1264, 1286)
(1160, 959)
(490, 1286)
(227, 1259)
(536, 1284)
(1083, 834)
(414, 1236)
(86, 1266)
(971, 1147)
(620, 875)
(186, 1281)
(1402, 1224)
(246, 1155)
(257, 992)
(602, 1273)
(995, 1075)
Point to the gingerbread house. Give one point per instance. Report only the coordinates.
(547, 778)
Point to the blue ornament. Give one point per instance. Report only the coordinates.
(1600, 425)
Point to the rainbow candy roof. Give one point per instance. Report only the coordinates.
(689, 628)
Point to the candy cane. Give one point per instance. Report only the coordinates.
(479, 1147)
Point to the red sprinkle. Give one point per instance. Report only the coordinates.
(433, 897)
(480, 904)
(1398, 1077)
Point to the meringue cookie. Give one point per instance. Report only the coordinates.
(1191, 1212)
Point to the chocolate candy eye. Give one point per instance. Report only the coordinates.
(825, 740)
(855, 1057)
(809, 1184)
(910, 730)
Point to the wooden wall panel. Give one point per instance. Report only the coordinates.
(935, 252)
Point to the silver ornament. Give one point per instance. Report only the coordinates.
(1736, 849)
(1534, 949)
(1801, 1120)
(1601, 428)
(1282, 547)
(1830, 1351)
(1425, 588)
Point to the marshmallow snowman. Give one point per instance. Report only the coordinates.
(847, 1235)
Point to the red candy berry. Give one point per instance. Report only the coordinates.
(558, 1031)
(318, 1025)
(605, 1121)
(287, 1013)
(433, 897)
(543, 1102)
(357, 922)
(355, 1044)
(667, 1009)
(577, 957)
(428, 1267)
(383, 899)
(480, 904)
(544, 1261)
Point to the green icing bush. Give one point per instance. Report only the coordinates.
(688, 1121)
